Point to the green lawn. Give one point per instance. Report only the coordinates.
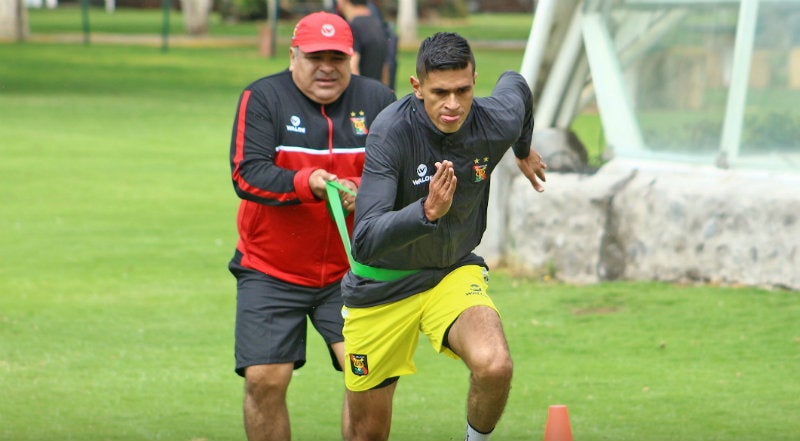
(68, 18)
(116, 308)
(480, 28)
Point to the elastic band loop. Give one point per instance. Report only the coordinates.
(337, 212)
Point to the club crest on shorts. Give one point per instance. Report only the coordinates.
(358, 364)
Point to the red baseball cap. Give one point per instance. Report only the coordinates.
(323, 31)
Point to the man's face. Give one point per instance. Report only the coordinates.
(322, 76)
(447, 96)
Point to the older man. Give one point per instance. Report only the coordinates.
(293, 131)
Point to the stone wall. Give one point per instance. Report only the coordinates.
(635, 220)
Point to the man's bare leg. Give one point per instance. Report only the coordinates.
(370, 413)
(266, 417)
(477, 337)
(338, 350)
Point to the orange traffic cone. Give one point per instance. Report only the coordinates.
(557, 427)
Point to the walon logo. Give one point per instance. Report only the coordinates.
(422, 171)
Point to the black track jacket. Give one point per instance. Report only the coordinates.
(391, 230)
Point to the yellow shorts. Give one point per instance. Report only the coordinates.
(380, 341)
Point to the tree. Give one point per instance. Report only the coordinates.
(195, 15)
(407, 22)
(13, 20)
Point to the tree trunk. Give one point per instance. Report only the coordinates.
(407, 22)
(13, 20)
(195, 16)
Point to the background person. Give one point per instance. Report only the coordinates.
(391, 45)
(370, 44)
(292, 132)
(422, 205)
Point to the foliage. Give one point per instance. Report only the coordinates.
(247, 10)
(67, 19)
(772, 130)
(242, 10)
(443, 8)
(685, 132)
(695, 132)
(588, 128)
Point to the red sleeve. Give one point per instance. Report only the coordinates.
(301, 187)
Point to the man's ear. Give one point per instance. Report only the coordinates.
(292, 55)
(416, 85)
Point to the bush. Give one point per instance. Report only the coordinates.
(769, 131)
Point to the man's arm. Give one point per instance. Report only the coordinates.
(533, 168)
(528, 160)
(512, 90)
(384, 221)
(255, 175)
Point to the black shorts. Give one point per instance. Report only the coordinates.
(271, 318)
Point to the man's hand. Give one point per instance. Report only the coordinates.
(533, 168)
(348, 200)
(440, 191)
(317, 181)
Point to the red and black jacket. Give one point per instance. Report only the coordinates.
(279, 138)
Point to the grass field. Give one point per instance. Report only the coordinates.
(480, 28)
(68, 18)
(116, 309)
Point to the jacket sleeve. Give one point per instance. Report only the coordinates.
(383, 223)
(514, 88)
(255, 175)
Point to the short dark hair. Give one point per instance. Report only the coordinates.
(444, 51)
(358, 2)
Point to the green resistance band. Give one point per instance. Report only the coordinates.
(337, 212)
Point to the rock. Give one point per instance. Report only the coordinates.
(636, 220)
